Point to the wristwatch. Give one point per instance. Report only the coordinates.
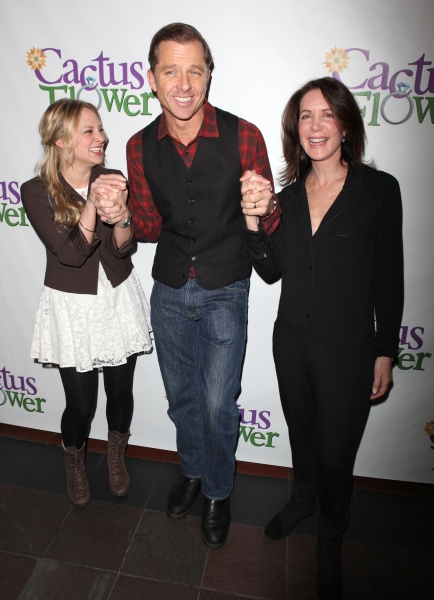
(125, 223)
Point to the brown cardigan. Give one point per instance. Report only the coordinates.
(72, 263)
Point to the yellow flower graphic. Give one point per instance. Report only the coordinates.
(36, 59)
(429, 428)
(336, 60)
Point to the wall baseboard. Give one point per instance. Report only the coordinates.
(403, 488)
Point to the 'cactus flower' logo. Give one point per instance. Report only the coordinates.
(336, 60)
(36, 59)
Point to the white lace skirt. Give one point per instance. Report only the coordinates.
(87, 331)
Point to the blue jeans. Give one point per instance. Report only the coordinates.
(200, 337)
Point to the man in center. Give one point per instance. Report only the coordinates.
(184, 173)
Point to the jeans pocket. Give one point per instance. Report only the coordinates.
(239, 286)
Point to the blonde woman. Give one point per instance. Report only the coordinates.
(92, 311)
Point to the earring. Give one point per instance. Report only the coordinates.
(343, 140)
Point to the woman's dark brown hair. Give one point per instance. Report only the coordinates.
(348, 118)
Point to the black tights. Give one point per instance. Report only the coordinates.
(81, 390)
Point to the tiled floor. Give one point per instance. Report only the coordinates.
(127, 548)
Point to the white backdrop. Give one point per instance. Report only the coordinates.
(263, 52)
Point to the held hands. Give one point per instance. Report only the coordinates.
(257, 195)
(382, 376)
(109, 195)
(257, 198)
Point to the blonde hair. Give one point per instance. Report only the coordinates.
(60, 121)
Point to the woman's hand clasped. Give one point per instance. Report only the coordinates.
(257, 198)
(257, 195)
(109, 195)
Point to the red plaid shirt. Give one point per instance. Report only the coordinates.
(253, 156)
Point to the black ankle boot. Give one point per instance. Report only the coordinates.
(182, 496)
(216, 519)
(300, 506)
(329, 558)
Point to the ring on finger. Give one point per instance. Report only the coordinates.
(254, 205)
(108, 222)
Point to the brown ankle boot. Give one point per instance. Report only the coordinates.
(119, 481)
(77, 487)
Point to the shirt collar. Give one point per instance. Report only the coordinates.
(353, 179)
(207, 129)
(95, 172)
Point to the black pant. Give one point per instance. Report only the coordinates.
(81, 390)
(324, 390)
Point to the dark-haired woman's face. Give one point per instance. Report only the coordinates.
(319, 133)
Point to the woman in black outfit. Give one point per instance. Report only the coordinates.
(338, 250)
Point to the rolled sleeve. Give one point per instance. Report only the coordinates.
(126, 247)
(79, 242)
(254, 157)
(146, 218)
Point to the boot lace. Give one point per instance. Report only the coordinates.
(79, 476)
(116, 466)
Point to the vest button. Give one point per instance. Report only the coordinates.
(193, 258)
(184, 276)
(192, 220)
(189, 180)
(193, 239)
(191, 201)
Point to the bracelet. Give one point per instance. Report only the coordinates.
(89, 230)
(124, 223)
(274, 207)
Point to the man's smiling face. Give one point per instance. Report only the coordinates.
(180, 80)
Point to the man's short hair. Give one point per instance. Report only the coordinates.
(183, 34)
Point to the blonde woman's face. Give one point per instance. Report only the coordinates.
(88, 140)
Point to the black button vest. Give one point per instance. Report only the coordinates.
(200, 207)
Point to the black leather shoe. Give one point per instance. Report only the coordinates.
(216, 518)
(182, 496)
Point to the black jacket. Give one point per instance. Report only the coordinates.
(336, 282)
